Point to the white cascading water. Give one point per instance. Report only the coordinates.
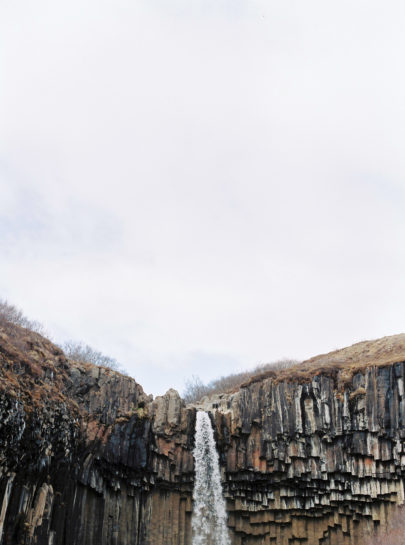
(209, 513)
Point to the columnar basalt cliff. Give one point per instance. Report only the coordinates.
(311, 455)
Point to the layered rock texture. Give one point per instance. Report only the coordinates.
(312, 455)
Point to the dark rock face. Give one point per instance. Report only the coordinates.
(86, 458)
(309, 463)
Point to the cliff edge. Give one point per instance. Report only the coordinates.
(314, 454)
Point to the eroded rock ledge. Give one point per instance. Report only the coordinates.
(315, 455)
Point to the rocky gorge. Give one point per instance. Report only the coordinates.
(313, 454)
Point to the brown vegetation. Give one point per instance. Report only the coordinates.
(10, 316)
(32, 369)
(343, 364)
(340, 365)
(12, 319)
(84, 353)
(358, 392)
(195, 389)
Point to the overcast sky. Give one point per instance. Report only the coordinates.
(199, 186)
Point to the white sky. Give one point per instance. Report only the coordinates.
(198, 186)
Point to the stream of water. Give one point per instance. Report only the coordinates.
(209, 512)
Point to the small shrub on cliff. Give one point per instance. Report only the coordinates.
(11, 315)
(359, 392)
(86, 354)
(195, 389)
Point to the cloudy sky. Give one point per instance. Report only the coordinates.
(198, 186)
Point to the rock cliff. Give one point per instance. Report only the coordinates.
(310, 455)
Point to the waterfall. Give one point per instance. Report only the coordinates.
(209, 513)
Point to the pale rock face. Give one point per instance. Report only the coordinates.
(166, 411)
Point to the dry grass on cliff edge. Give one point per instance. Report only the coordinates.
(342, 364)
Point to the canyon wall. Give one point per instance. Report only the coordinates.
(313, 455)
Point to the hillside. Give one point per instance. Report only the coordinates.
(311, 455)
(344, 363)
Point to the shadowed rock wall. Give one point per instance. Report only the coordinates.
(86, 458)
